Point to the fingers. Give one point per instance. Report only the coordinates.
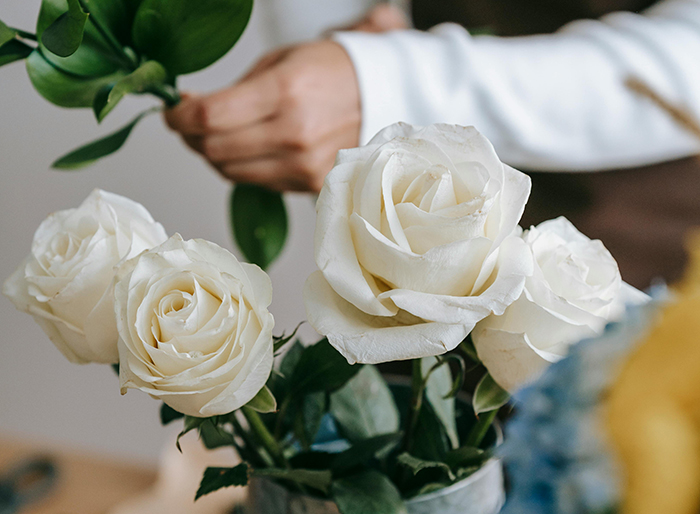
(382, 18)
(247, 102)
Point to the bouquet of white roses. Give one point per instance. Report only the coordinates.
(420, 257)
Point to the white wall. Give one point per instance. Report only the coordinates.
(41, 394)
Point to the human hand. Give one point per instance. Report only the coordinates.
(282, 124)
(382, 18)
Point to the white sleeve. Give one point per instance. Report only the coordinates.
(548, 102)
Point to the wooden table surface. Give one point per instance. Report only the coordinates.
(86, 483)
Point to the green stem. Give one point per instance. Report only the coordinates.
(24, 34)
(117, 48)
(281, 415)
(478, 432)
(250, 445)
(167, 93)
(266, 439)
(417, 387)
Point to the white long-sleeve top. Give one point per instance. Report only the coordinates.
(547, 102)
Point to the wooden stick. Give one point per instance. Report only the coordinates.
(682, 117)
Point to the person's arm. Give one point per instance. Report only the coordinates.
(550, 102)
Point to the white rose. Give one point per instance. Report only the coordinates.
(194, 329)
(65, 280)
(415, 243)
(575, 290)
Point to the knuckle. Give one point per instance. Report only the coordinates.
(205, 115)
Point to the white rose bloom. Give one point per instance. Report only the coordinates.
(575, 290)
(65, 281)
(194, 329)
(415, 243)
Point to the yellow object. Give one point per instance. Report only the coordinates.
(654, 409)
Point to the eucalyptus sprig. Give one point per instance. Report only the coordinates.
(94, 53)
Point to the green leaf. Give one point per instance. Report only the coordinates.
(93, 59)
(308, 418)
(489, 395)
(91, 152)
(432, 487)
(430, 441)
(146, 76)
(6, 34)
(187, 36)
(417, 465)
(318, 479)
(168, 414)
(291, 359)
(465, 456)
(467, 346)
(218, 478)
(259, 221)
(14, 51)
(365, 407)
(264, 401)
(64, 36)
(191, 423)
(367, 492)
(214, 436)
(117, 16)
(61, 88)
(438, 386)
(282, 340)
(363, 451)
(321, 368)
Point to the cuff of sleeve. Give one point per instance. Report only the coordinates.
(381, 79)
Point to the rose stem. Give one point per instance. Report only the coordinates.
(417, 387)
(265, 437)
(478, 432)
(264, 458)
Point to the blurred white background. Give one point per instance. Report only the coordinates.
(42, 395)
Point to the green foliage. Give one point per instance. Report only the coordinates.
(6, 34)
(430, 441)
(117, 17)
(186, 36)
(364, 451)
(65, 34)
(14, 51)
(417, 465)
(438, 389)
(218, 478)
(465, 456)
(95, 58)
(259, 221)
(213, 435)
(365, 407)
(149, 74)
(62, 88)
(282, 340)
(168, 414)
(321, 368)
(291, 359)
(191, 423)
(309, 414)
(264, 401)
(489, 395)
(97, 149)
(318, 479)
(366, 492)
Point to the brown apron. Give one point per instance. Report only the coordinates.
(642, 215)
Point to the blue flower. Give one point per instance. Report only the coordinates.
(556, 453)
